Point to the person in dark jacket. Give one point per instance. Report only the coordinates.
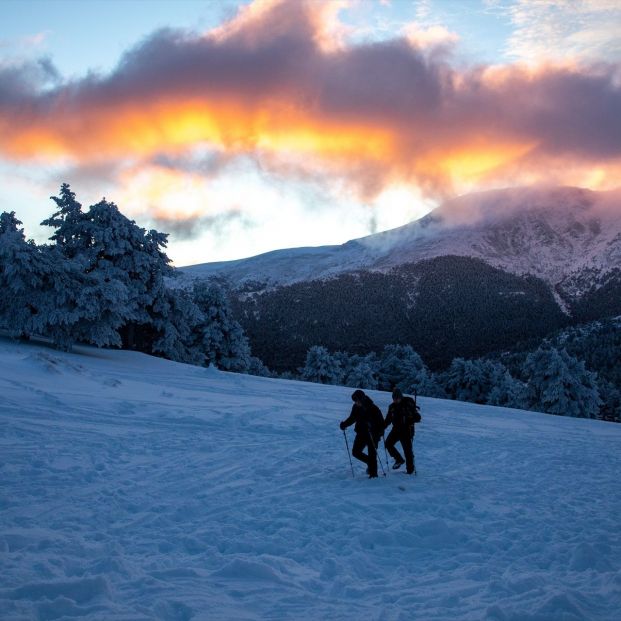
(369, 427)
(401, 414)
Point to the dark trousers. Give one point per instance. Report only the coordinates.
(362, 441)
(405, 436)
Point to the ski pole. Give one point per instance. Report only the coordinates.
(348, 455)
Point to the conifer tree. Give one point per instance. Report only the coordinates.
(321, 367)
(74, 306)
(472, 380)
(175, 316)
(425, 384)
(558, 383)
(121, 250)
(18, 277)
(256, 367)
(115, 248)
(361, 372)
(50, 295)
(399, 366)
(611, 401)
(218, 335)
(508, 392)
(70, 224)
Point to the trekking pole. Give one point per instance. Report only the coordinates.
(376, 455)
(385, 453)
(348, 455)
(379, 459)
(413, 455)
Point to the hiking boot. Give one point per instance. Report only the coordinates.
(397, 465)
(372, 476)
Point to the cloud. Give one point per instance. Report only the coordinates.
(37, 39)
(25, 44)
(24, 81)
(188, 228)
(432, 37)
(564, 30)
(279, 83)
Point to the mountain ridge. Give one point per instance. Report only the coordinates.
(477, 275)
(557, 234)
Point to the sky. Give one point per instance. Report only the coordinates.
(243, 127)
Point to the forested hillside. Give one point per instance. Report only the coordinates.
(443, 307)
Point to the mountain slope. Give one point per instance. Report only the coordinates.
(478, 274)
(554, 234)
(133, 487)
(444, 307)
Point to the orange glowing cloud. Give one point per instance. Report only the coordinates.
(279, 81)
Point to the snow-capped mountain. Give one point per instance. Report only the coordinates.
(478, 274)
(568, 237)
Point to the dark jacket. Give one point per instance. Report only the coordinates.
(401, 415)
(366, 417)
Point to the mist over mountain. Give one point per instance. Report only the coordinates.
(556, 234)
(476, 274)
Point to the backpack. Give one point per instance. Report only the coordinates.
(377, 422)
(412, 412)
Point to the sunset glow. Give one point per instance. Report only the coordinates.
(303, 93)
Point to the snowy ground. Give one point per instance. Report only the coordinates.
(136, 488)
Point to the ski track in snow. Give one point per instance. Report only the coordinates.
(136, 488)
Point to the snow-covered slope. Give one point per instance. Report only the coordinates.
(555, 234)
(286, 266)
(136, 488)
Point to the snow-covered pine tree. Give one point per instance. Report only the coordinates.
(117, 249)
(400, 366)
(462, 380)
(361, 372)
(611, 401)
(256, 367)
(508, 392)
(558, 383)
(50, 295)
(472, 380)
(121, 250)
(10, 224)
(70, 224)
(75, 306)
(425, 384)
(219, 336)
(104, 303)
(321, 367)
(18, 278)
(175, 317)
(346, 361)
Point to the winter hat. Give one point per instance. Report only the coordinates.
(357, 395)
(397, 394)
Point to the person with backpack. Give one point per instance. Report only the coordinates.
(402, 414)
(369, 428)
